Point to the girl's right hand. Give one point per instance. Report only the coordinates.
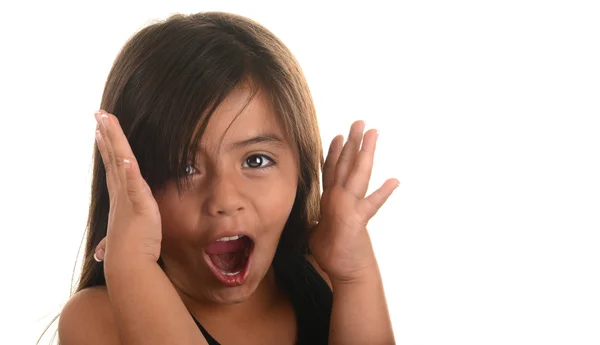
(134, 223)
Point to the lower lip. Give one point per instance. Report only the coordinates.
(231, 281)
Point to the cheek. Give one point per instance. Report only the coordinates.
(178, 219)
(274, 200)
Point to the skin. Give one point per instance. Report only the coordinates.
(227, 194)
(144, 305)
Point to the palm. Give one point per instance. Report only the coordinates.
(134, 223)
(340, 242)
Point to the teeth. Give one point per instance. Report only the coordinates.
(230, 274)
(222, 239)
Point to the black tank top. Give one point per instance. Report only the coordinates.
(311, 298)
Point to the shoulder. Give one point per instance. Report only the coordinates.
(322, 273)
(87, 318)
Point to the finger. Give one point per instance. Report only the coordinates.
(358, 181)
(129, 170)
(102, 145)
(125, 163)
(331, 161)
(371, 204)
(348, 154)
(117, 146)
(100, 250)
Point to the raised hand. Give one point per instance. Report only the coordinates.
(340, 242)
(134, 223)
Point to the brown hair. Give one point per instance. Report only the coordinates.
(165, 84)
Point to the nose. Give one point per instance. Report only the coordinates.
(224, 197)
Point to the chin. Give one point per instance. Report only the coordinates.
(233, 295)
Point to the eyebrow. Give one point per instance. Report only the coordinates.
(263, 138)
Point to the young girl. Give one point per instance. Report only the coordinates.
(207, 225)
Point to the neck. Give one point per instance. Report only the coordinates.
(264, 299)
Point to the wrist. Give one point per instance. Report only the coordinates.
(122, 267)
(367, 275)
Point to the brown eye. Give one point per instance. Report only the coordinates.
(258, 161)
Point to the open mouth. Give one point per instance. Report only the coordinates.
(229, 259)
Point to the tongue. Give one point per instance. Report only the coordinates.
(228, 256)
(230, 262)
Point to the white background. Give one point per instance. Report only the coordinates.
(489, 114)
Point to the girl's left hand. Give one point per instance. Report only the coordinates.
(340, 242)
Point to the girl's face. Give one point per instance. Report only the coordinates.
(244, 183)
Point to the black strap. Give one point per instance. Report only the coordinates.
(207, 336)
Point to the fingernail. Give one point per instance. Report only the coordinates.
(104, 119)
(100, 117)
(99, 255)
(98, 135)
(127, 163)
(97, 115)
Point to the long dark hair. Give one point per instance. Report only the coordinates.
(164, 86)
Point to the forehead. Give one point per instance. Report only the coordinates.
(239, 118)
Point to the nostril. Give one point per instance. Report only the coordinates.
(225, 211)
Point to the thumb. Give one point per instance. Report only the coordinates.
(373, 202)
(100, 250)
